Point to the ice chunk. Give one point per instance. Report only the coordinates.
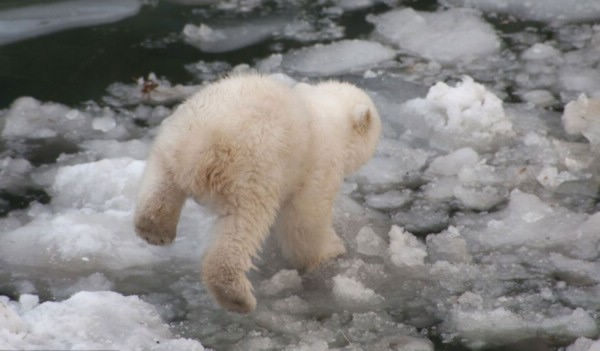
(354, 4)
(448, 246)
(89, 320)
(368, 243)
(109, 184)
(30, 118)
(350, 291)
(584, 344)
(405, 249)
(528, 222)
(423, 217)
(34, 20)
(580, 80)
(452, 117)
(540, 51)
(546, 11)
(434, 35)
(13, 172)
(283, 280)
(336, 58)
(388, 200)
(539, 97)
(395, 163)
(481, 328)
(583, 116)
(452, 163)
(551, 178)
(230, 38)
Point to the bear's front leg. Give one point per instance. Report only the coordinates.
(158, 205)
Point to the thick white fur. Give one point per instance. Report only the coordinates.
(259, 152)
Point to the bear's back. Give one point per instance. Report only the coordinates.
(255, 118)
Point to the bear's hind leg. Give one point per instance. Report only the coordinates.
(245, 218)
(158, 205)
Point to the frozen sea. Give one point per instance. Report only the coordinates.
(476, 225)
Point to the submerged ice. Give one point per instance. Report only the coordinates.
(475, 223)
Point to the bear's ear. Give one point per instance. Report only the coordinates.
(361, 118)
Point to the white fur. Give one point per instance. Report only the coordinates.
(259, 152)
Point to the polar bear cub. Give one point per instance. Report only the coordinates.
(260, 153)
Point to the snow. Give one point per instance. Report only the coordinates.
(467, 115)
(556, 11)
(452, 36)
(582, 116)
(336, 58)
(369, 243)
(348, 290)
(405, 249)
(80, 323)
(40, 19)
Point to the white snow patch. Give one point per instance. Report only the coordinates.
(453, 117)
(230, 38)
(451, 36)
(80, 322)
(336, 58)
(405, 249)
(582, 116)
(89, 224)
(369, 243)
(350, 291)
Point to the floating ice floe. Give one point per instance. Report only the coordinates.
(582, 116)
(451, 36)
(484, 327)
(80, 322)
(335, 58)
(224, 39)
(350, 5)
(32, 119)
(553, 11)
(452, 117)
(35, 20)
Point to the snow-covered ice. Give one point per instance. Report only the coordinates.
(80, 322)
(223, 39)
(448, 37)
(337, 57)
(556, 11)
